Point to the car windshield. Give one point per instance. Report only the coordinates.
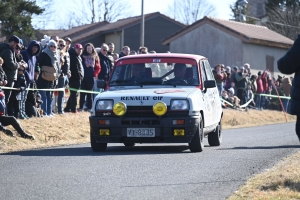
(155, 74)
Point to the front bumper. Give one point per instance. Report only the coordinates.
(163, 129)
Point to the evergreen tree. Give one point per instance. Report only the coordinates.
(244, 11)
(15, 17)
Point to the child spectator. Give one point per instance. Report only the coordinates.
(3, 78)
(232, 98)
(32, 102)
(18, 94)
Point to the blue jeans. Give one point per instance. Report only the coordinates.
(259, 101)
(61, 94)
(47, 101)
(220, 88)
(285, 103)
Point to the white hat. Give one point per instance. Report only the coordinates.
(231, 90)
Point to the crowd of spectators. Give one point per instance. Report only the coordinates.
(241, 88)
(40, 73)
(35, 71)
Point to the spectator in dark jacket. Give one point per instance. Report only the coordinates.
(289, 64)
(241, 85)
(104, 62)
(10, 65)
(125, 51)
(77, 74)
(29, 56)
(91, 66)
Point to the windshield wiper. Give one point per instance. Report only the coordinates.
(150, 82)
(120, 81)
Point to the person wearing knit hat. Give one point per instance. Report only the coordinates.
(48, 61)
(52, 43)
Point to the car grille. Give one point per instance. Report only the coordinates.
(146, 111)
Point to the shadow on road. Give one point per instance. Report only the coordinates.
(111, 151)
(263, 147)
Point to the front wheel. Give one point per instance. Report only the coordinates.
(215, 137)
(196, 144)
(96, 147)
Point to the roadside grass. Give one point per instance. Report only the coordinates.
(280, 182)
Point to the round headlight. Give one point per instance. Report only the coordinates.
(120, 109)
(160, 108)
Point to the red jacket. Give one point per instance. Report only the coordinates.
(97, 68)
(260, 87)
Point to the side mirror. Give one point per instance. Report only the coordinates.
(209, 84)
(101, 84)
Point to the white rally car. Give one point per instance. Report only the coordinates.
(157, 98)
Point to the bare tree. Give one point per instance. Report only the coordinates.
(189, 11)
(284, 20)
(79, 12)
(105, 10)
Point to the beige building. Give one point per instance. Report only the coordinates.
(231, 43)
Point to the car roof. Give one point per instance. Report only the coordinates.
(164, 55)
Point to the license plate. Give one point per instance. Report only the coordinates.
(140, 132)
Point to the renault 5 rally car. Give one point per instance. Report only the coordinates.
(157, 98)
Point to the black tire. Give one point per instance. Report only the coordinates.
(215, 137)
(97, 147)
(128, 144)
(196, 144)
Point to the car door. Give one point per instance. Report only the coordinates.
(211, 95)
(207, 112)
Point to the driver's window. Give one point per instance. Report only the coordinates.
(209, 74)
(203, 73)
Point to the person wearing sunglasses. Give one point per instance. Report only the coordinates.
(105, 63)
(64, 75)
(77, 73)
(48, 62)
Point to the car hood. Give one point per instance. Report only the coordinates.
(144, 97)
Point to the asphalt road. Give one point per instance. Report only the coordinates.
(155, 171)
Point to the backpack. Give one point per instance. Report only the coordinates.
(2, 103)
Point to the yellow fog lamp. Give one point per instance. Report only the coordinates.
(120, 109)
(178, 132)
(160, 108)
(104, 132)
